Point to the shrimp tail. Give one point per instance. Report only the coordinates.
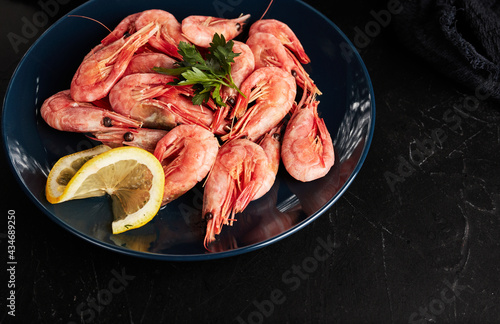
(300, 53)
(246, 196)
(164, 151)
(241, 105)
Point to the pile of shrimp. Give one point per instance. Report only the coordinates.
(115, 97)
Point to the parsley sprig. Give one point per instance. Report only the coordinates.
(206, 74)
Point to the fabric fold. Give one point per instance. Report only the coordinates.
(460, 38)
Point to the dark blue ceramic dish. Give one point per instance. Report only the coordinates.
(177, 232)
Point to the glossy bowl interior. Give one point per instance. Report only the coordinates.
(177, 232)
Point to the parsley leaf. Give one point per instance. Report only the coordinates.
(206, 74)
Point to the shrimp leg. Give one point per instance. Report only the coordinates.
(105, 65)
(285, 35)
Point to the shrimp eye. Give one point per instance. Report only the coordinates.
(128, 137)
(231, 101)
(107, 122)
(294, 73)
(126, 35)
(277, 136)
(238, 27)
(209, 216)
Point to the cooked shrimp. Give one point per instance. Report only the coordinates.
(125, 27)
(135, 94)
(200, 30)
(268, 51)
(147, 98)
(105, 65)
(307, 150)
(235, 179)
(243, 66)
(271, 144)
(187, 154)
(144, 138)
(145, 62)
(285, 35)
(61, 112)
(273, 91)
(169, 34)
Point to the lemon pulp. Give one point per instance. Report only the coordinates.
(133, 178)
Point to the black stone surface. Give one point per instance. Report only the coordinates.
(414, 239)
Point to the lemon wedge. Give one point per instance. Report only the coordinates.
(133, 177)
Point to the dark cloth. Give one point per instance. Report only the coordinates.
(460, 38)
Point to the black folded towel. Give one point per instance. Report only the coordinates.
(461, 38)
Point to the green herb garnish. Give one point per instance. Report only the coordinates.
(206, 74)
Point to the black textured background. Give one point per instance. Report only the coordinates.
(414, 239)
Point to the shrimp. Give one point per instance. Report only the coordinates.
(271, 143)
(105, 65)
(273, 91)
(125, 27)
(144, 138)
(187, 154)
(235, 179)
(307, 152)
(269, 51)
(169, 34)
(145, 62)
(285, 35)
(200, 30)
(61, 112)
(242, 67)
(147, 98)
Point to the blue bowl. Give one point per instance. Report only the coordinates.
(176, 233)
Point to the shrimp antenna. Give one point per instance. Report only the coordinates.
(97, 21)
(268, 6)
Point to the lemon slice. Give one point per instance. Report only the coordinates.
(67, 166)
(133, 177)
